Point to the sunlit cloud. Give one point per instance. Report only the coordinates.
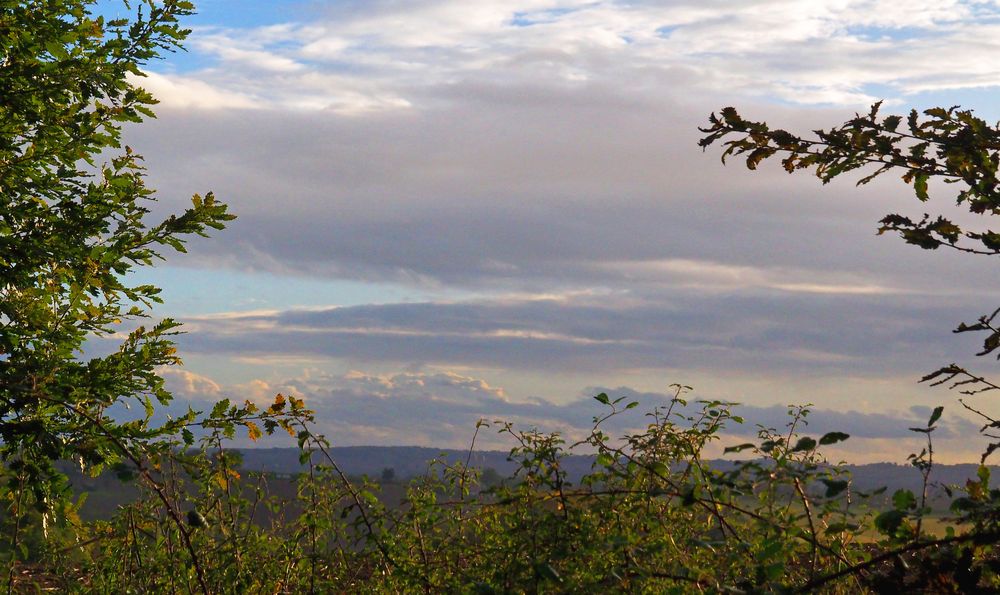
(442, 408)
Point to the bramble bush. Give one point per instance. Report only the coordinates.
(654, 514)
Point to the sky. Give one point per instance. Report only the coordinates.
(454, 210)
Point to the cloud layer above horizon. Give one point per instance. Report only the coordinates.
(444, 410)
(528, 173)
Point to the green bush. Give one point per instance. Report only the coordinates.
(653, 515)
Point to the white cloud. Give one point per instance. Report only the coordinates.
(441, 408)
(187, 384)
(363, 57)
(189, 92)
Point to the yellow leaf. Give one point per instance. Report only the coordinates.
(253, 431)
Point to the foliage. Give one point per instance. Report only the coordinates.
(954, 147)
(73, 225)
(653, 515)
(950, 145)
(71, 229)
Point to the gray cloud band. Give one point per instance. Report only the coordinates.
(789, 332)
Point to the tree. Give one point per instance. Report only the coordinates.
(946, 144)
(73, 224)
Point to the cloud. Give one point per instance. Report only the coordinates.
(548, 148)
(691, 330)
(188, 384)
(358, 57)
(538, 196)
(441, 409)
(180, 92)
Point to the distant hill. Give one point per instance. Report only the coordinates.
(405, 461)
(410, 461)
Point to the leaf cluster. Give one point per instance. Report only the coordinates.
(951, 145)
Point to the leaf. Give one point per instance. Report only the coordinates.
(804, 443)
(834, 486)
(990, 240)
(889, 522)
(737, 448)
(196, 519)
(904, 500)
(659, 468)
(603, 399)
(991, 343)
(962, 328)
(253, 430)
(833, 438)
(890, 123)
(990, 449)
(222, 480)
(57, 50)
(936, 373)
(688, 497)
(605, 460)
(220, 408)
(935, 415)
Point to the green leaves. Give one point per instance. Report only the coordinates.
(604, 460)
(904, 500)
(196, 519)
(889, 522)
(947, 144)
(75, 224)
(920, 185)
